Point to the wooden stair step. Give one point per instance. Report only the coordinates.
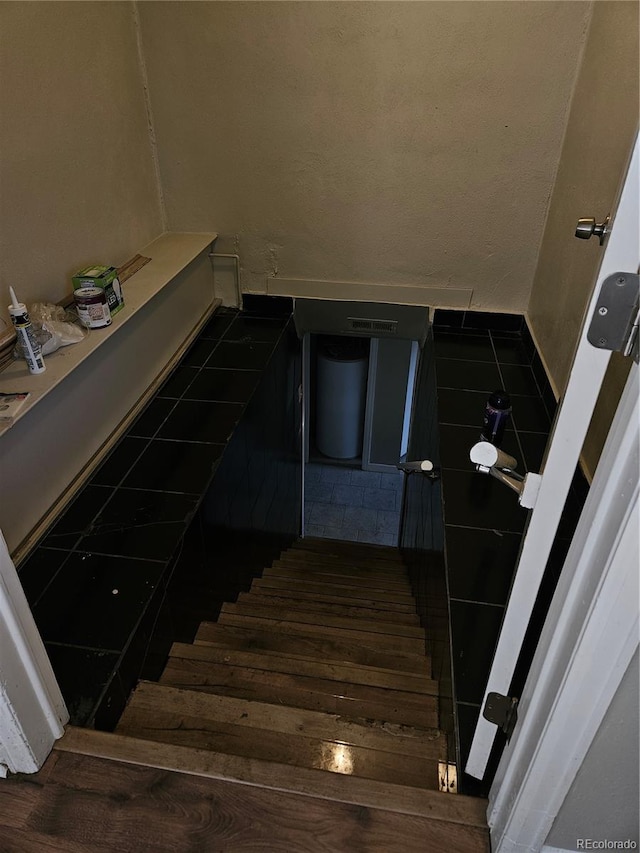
(338, 566)
(311, 647)
(329, 608)
(302, 691)
(299, 665)
(185, 721)
(349, 551)
(450, 821)
(264, 745)
(316, 586)
(385, 609)
(305, 722)
(342, 547)
(324, 620)
(335, 579)
(344, 569)
(372, 567)
(369, 639)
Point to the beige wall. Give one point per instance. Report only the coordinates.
(401, 143)
(77, 178)
(600, 133)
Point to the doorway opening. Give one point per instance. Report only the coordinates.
(360, 366)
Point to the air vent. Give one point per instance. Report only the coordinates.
(361, 324)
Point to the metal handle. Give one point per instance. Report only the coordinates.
(424, 466)
(587, 228)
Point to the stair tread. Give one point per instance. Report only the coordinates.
(254, 639)
(389, 609)
(369, 639)
(322, 619)
(309, 584)
(330, 608)
(332, 575)
(381, 735)
(297, 664)
(342, 546)
(265, 745)
(185, 726)
(302, 691)
(467, 811)
(373, 567)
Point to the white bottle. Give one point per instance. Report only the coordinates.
(27, 342)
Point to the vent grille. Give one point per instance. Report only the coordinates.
(362, 324)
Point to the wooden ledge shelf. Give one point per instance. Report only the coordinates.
(170, 254)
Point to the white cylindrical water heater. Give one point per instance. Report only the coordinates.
(341, 394)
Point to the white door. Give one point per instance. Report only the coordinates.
(32, 710)
(621, 254)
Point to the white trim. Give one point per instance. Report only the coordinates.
(587, 643)
(306, 394)
(32, 710)
(369, 404)
(408, 403)
(588, 370)
(304, 426)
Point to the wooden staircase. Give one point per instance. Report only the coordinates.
(315, 688)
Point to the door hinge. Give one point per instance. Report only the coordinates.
(447, 777)
(501, 710)
(614, 325)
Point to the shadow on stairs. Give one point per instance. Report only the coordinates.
(304, 719)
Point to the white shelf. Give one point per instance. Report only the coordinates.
(169, 254)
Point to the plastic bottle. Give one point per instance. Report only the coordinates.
(496, 415)
(27, 342)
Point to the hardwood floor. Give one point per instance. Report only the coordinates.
(304, 719)
(102, 806)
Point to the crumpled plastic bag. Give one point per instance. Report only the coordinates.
(54, 327)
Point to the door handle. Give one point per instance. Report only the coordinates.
(423, 466)
(587, 228)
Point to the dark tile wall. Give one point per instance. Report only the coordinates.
(215, 451)
(484, 524)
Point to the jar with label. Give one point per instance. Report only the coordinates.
(92, 307)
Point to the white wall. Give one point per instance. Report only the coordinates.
(78, 183)
(600, 134)
(373, 142)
